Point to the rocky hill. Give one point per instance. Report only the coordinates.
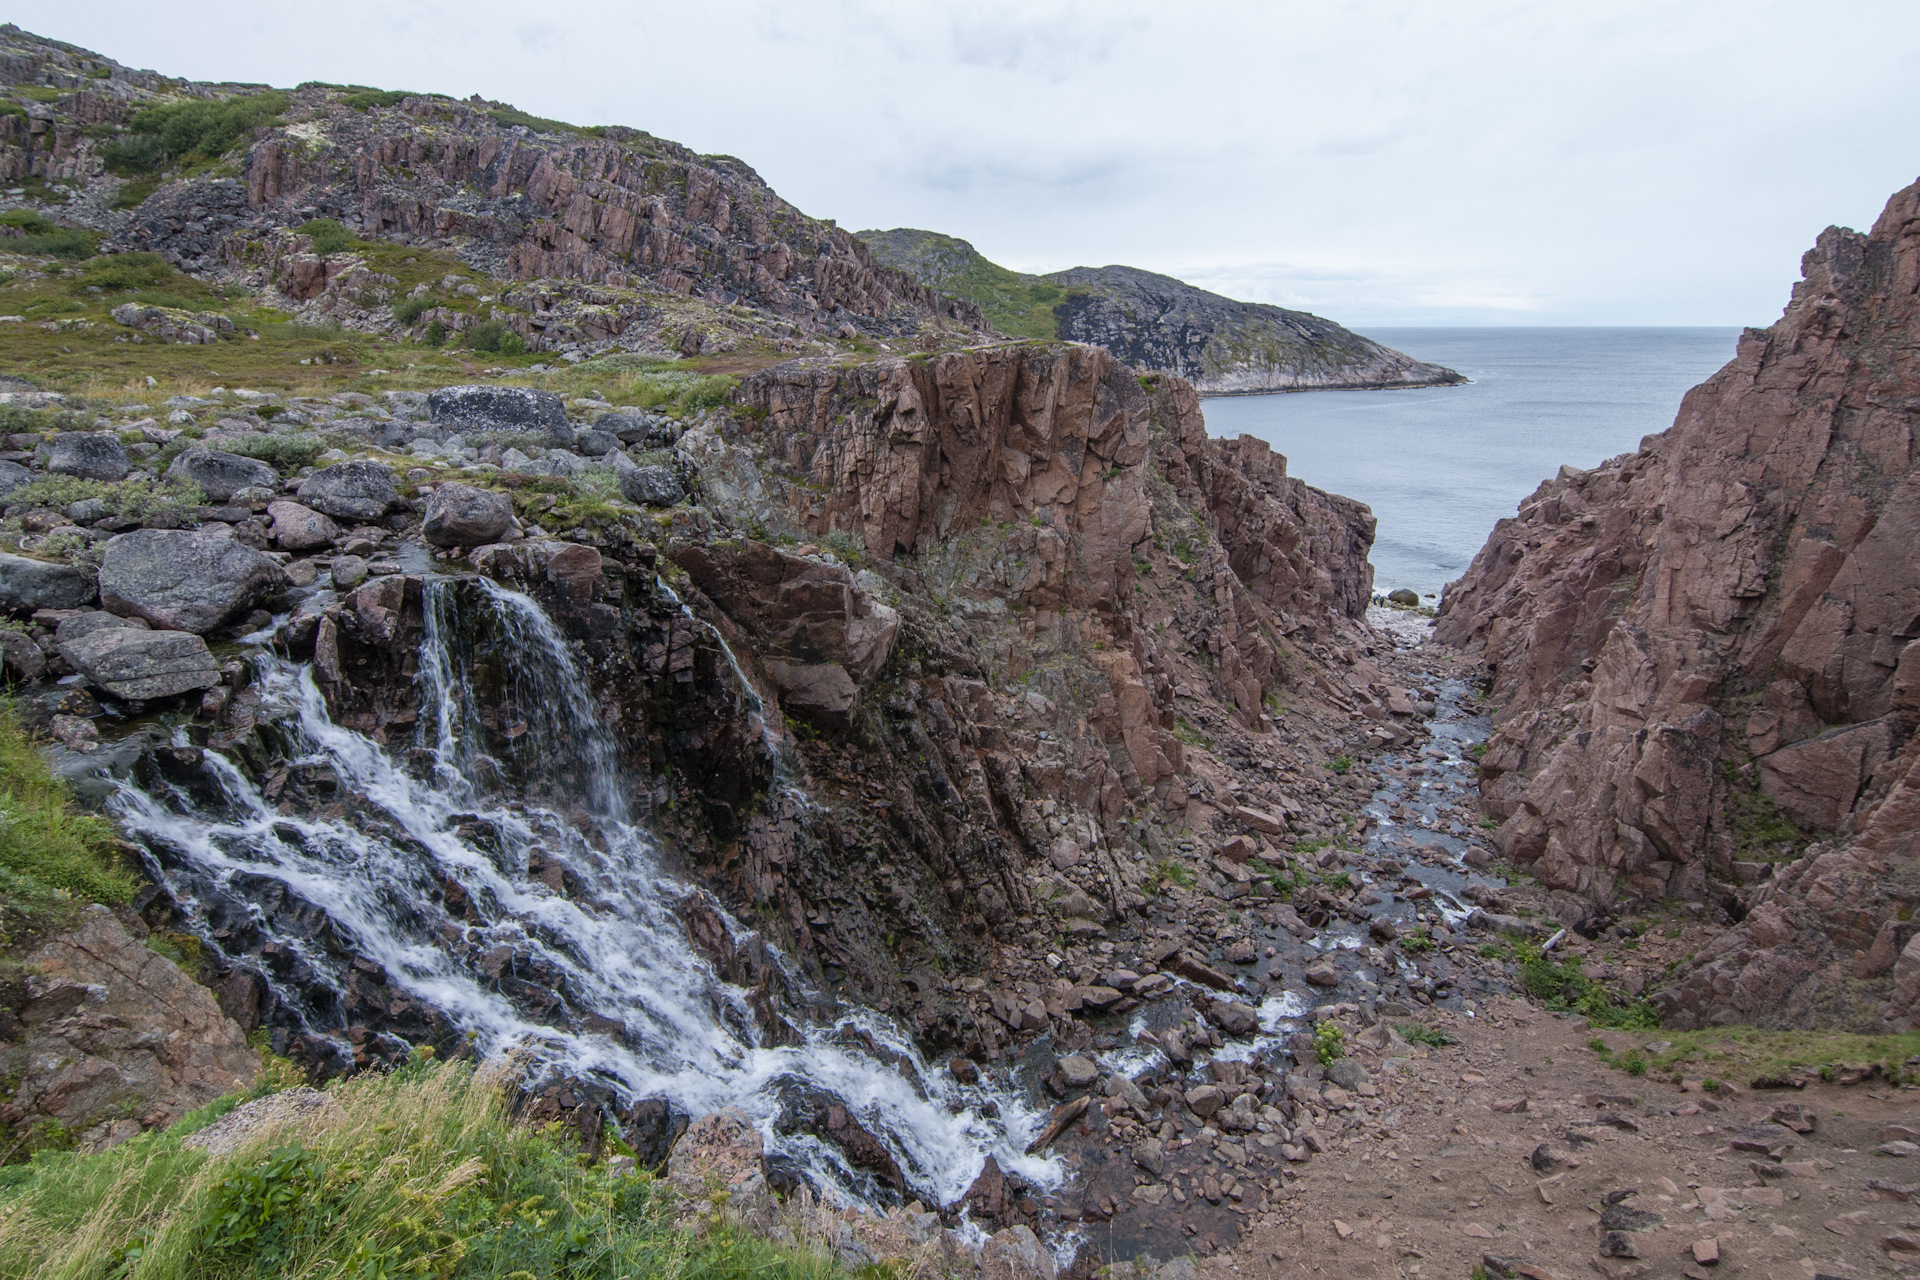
(1704, 654)
(594, 238)
(1156, 322)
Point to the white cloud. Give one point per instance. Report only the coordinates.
(1375, 160)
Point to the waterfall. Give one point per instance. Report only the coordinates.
(515, 784)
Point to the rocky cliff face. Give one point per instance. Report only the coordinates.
(1156, 322)
(1704, 656)
(614, 238)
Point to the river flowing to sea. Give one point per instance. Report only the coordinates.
(1439, 466)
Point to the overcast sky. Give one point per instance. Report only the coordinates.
(1376, 161)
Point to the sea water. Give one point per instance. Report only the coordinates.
(1440, 465)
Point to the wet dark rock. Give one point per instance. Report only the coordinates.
(806, 1108)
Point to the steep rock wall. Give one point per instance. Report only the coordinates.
(1703, 652)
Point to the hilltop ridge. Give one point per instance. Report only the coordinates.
(1222, 346)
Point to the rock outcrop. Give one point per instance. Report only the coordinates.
(1159, 323)
(116, 1039)
(609, 238)
(1704, 653)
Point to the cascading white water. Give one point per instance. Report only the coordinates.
(544, 788)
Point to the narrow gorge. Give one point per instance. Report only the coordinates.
(513, 621)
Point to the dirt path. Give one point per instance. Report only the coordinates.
(1447, 1174)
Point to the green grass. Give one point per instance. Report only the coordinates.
(1748, 1053)
(1420, 1033)
(41, 237)
(53, 860)
(1018, 305)
(1562, 986)
(328, 236)
(508, 117)
(422, 1175)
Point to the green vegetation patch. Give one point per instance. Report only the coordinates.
(190, 132)
(423, 1175)
(41, 237)
(1018, 305)
(53, 860)
(135, 499)
(1751, 1056)
(508, 117)
(1560, 985)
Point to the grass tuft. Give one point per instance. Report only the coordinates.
(421, 1174)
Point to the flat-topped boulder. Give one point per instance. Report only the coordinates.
(185, 581)
(357, 491)
(136, 664)
(221, 475)
(484, 408)
(89, 455)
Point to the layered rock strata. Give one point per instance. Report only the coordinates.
(1703, 654)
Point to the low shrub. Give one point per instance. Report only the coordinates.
(42, 238)
(138, 500)
(287, 453)
(408, 310)
(1329, 1043)
(328, 236)
(495, 338)
(117, 272)
(190, 131)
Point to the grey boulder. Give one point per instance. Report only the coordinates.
(221, 475)
(460, 515)
(26, 585)
(482, 408)
(21, 657)
(298, 528)
(185, 581)
(90, 455)
(12, 476)
(134, 664)
(595, 443)
(651, 486)
(358, 491)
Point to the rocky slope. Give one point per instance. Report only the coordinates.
(602, 238)
(1156, 322)
(1704, 657)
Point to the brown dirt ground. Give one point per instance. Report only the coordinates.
(1454, 1182)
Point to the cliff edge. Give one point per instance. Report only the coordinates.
(1704, 660)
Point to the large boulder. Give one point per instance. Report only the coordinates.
(221, 475)
(12, 476)
(482, 408)
(90, 455)
(721, 1160)
(185, 581)
(357, 491)
(460, 515)
(135, 664)
(298, 528)
(117, 1037)
(651, 486)
(26, 585)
